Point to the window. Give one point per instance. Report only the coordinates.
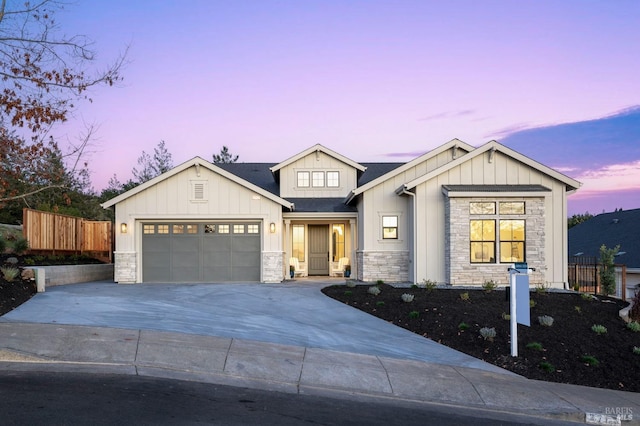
(178, 229)
(333, 179)
(253, 229)
(483, 241)
(482, 208)
(297, 242)
(223, 229)
(512, 241)
(317, 179)
(210, 229)
(238, 229)
(148, 229)
(337, 241)
(512, 207)
(390, 227)
(303, 179)
(163, 229)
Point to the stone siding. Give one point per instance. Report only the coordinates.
(460, 270)
(125, 267)
(272, 266)
(389, 266)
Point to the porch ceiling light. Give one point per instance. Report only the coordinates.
(123, 228)
(272, 228)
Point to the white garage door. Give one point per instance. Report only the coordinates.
(201, 252)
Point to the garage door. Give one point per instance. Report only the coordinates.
(201, 252)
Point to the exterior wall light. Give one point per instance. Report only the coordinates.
(123, 228)
(272, 228)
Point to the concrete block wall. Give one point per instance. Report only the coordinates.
(389, 266)
(72, 274)
(460, 270)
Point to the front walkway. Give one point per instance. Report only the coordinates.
(292, 313)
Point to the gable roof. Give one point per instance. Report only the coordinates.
(611, 229)
(571, 184)
(318, 148)
(453, 143)
(198, 162)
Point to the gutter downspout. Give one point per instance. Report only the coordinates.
(415, 234)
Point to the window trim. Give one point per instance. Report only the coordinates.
(303, 182)
(389, 228)
(321, 184)
(337, 179)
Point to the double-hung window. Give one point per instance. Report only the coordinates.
(389, 227)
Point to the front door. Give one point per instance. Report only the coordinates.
(318, 250)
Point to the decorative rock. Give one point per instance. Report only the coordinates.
(28, 274)
(12, 260)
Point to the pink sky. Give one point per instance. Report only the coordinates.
(365, 78)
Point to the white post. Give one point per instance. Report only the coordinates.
(512, 313)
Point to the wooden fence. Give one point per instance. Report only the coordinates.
(52, 232)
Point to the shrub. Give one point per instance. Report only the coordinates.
(578, 309)
(542, 288)
(9, 273)
(608, 270)
(374, 290)
(463, 326)
(348, 293)
(350, 283)
(406, 297)
(465, 296)
(598, 329)
(575, 287)
(379, 282)
(545, 320)
(634, 326)
(547, 366)
(20, 245)
(589, 360)
(636, 350)
(506, 316)
(379, 303)
(534, 346)
(489, 286)
(414, 314)
(488, 333)
(429, 285)
(634, 312)
(532, 303)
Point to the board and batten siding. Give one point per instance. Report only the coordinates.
(172, 200)
(317, 161)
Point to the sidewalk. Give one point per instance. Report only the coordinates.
(296, 369)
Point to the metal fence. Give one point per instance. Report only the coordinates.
(584, 271)
(56, 233)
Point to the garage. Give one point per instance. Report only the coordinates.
(201, 252)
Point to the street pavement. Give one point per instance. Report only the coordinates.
(285, 337)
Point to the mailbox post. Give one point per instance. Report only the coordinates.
(519, 308)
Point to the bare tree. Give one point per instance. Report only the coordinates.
(152, 167)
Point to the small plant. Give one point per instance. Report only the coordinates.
(578, 309)
(636, 350)
(29, 261)
(546, 366)
(20, 245)
(406, 297)
(542, 288)
(545, 320)
(9, 273)
(374, 290)
(586, 296)
(379, 303)
(379, 282)
(348, 293)
(598, 329)
(506, 316)
(350, 283)
(534, 346)
(429, 285)
(532, 303)
(575, 287)
(465, 296)
(634, 326)
(489, 286)
(463, 326)
(414, 314)
(590, 360)
(488, 333)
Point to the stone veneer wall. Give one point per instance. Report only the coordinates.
(459, 269)
(272, 266)
(390, 266)
(125, 267)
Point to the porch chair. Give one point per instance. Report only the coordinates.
(338, 271)
(296, 264)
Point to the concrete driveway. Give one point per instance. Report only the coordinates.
(289, 313)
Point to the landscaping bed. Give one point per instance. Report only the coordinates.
(568, 351)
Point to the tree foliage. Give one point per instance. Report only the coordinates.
(608, 269)
(225, 157)
(577, 219)
(150, 167)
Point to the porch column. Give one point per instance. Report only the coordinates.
(287, 246)
(352, 257)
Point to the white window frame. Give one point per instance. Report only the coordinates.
(317, 179)
(333, 182)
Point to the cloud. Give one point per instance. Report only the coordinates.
(448, 114)
(614, 177)
(413, 154)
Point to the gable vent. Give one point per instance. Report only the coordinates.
(198, 191)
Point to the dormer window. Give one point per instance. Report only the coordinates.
(317, 179)
(303, 179)
(333, 179)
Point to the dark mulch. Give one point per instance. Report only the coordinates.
(564, 344)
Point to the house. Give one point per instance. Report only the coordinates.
(620, 228)
(457, 214)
